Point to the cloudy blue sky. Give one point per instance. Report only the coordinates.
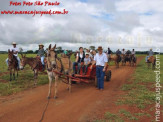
(109, 23)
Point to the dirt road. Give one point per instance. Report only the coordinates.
(83, 103)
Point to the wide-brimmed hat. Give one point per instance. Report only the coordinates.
(41, 45)
(13, 43)
(86, 53)
(99, 48)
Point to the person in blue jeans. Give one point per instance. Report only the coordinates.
(41, 54)
(149, 54)
(79, 61)
(101, 61)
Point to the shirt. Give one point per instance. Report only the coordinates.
(101, 59)
(109, 51)
(87, 60)
(81, 55)
(118, 52)
(150, 53)
(123, 52)
(133, 52)
(14, 50)
(40, 52)
(65, 52)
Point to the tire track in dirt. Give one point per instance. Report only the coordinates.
(83, 103)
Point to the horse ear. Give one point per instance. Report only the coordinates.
(54, 46)
(49, 47)
(8, 50)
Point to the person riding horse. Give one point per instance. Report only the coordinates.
(118, 53)
(109, 52)
(149, 54)
(15, 51)
(41, 55)
(133, 57)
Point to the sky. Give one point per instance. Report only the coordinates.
(109, 23)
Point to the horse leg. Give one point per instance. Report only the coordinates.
(148, 65)
(50, 83)
(70, 83)
(153, 66)
(56, 84)
(17, 73)
(35, 77)
(14, 74)
(10, 74)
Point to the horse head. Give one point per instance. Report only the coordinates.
(51, 57)
(22, 61)
(10, 55)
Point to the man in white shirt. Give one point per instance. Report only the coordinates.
(15, 50)
(133, 52)
(101, 61)
(123, 51)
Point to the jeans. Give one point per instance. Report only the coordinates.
(17, 59)
(146, 59)
(85, 68)
(100, 77)
(74, 67)
(42, 60)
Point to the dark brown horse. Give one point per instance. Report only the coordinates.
(123, 59)
(12, 64)
(151, 60)
(126, 58)
(133, 60)
(34, 63)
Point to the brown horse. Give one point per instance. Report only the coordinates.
(12, 64)
(54, 65)
(133, 60)
(151, 60)
(116, 58)
(34, 63)
(123, 60)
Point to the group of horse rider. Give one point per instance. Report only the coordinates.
(84, 59)
(15, 50)
(123, 52)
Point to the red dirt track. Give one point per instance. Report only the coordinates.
(83, 104)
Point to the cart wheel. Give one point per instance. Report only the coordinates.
(108, 75)
(95, 81)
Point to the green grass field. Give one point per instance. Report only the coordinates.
(23, 82)
(140, 93)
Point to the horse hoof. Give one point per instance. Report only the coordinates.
(55, 97)
(48, 97)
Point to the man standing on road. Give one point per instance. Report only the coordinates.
(101, 61)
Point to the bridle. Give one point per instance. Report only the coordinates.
(49, 64)
(23, 63)
(10, 59)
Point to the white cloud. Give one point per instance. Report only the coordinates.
(86, 21)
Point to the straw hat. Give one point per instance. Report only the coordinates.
(99, 48)
(13, 43)
(86, 53)
(41, 45)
